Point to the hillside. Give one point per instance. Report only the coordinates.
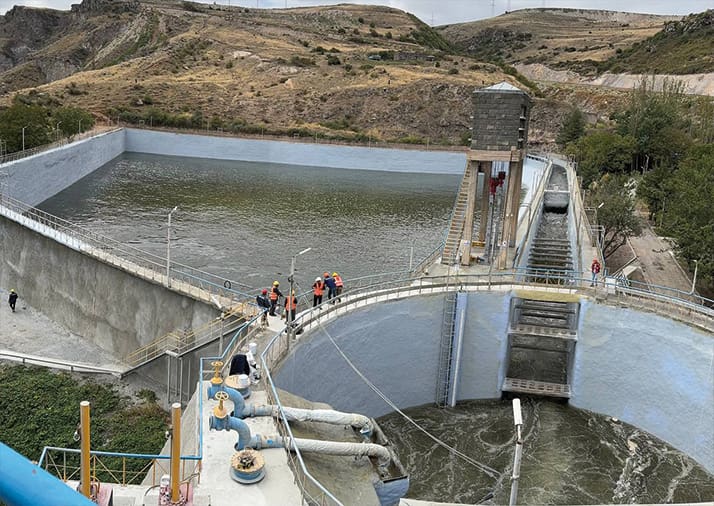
(346, 71)
(681, 47)
(573, 39)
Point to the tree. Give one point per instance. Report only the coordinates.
(690, 215)
(648, 114)
(572, 129)
(616, 212)
(30, 118)
(601, 152)
(654, 188)
(71, 120)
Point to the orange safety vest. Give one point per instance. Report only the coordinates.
(338, 281)
(294, 303)
(318, 287)
(273, 294)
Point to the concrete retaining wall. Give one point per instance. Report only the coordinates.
(644, 369)
(36, 178)
(294, 153)
(112, 308)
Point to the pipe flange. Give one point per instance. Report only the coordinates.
(247, 466)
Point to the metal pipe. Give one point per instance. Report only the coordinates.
(258, 441)
(243, 410)
(23, 483)
(175, 451)
(518, 422)
(85, 483)
(168, 249)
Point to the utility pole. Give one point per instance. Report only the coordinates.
(168, 249)
(291, 278)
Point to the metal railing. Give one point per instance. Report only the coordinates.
(184, 342)
(53, 363)
(113, 467)
(185, 279)
(19, 155)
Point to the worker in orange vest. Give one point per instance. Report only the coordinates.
(338, 284)
(318, 288)
(290, 307)
(274, 296)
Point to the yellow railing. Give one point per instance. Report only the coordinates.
(181, 342)
(121, 469)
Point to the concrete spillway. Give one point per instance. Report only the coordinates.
(550, 251)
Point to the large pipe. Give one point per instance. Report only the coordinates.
(85, 483)
(175, 452)
(22, 483)
(361, 422)
(257, 442)
(243, 410)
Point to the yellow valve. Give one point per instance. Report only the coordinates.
(217, 378)
(219, 411)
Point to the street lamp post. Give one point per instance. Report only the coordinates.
(23, 138)
(288, 316)
(168, 249)
(57, 129)
(79, 127)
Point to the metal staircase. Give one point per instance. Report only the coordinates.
(458, 218)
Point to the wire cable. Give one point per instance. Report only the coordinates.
(493, 473)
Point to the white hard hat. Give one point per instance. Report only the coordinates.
(318, 279)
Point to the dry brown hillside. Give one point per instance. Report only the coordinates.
(559, 38)
(346, 70)
(350, 72)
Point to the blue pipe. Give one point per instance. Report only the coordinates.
(22, 483)
(240, 409)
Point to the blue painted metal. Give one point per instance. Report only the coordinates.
(390, 492)
(23, 483)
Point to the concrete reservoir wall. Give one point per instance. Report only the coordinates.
(644, 369)
(106, 305)
(34, 179)
(295, 153)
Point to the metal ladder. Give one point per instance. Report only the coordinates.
(446, 346)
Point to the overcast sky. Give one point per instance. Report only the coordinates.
(441, 12)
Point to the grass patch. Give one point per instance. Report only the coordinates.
(40, 408)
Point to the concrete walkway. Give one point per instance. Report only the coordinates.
(28, 331)
(656, 259)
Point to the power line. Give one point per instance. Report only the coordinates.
(482, 467)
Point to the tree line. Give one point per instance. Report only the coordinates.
(25, 126)
(659, 150)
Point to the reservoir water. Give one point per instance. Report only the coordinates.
(245, 220)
